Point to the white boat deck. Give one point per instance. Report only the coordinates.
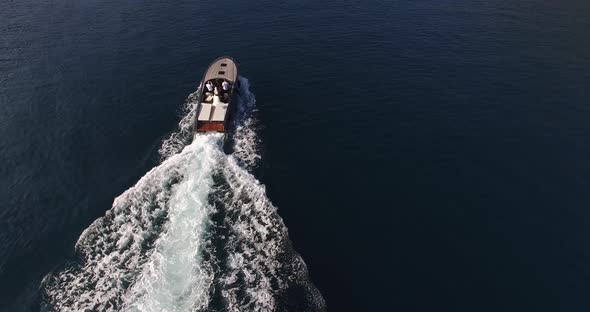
(219, 112)
(213, 112)
(224, 68)
(205, 112)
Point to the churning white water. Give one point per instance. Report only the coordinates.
(196, 233)
(174, 278)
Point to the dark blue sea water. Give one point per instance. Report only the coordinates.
(423, 155)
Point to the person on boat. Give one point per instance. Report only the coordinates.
(209, 86)
(225, 85)
(208, 92)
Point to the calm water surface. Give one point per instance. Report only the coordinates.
(424, 155)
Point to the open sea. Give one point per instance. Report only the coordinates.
(389, 156)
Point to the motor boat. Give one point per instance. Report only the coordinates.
(217, 102)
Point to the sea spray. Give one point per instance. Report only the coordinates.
(260, 269)
(176, 278)
(116, 247)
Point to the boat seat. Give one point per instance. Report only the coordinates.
(219, 111)
(205, 113)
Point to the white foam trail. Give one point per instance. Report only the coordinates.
(183, 136)
(196, 233)
(175, 278)
(116, 247)
(261, 265)
(246, 142)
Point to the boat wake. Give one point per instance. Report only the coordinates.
(196, 233)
